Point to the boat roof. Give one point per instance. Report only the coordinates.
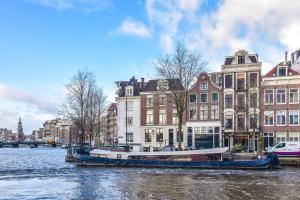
(156, 153)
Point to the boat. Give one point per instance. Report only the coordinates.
(285, 149)
(217, 158)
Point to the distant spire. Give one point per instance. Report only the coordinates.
(20, 130)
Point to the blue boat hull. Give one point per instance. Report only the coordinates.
(266, 163)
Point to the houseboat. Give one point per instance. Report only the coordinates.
(218, 158)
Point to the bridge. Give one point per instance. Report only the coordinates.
(32, 144)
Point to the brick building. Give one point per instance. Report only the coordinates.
(159, 119)
(204, 114)
(280, 107)
(241, 75)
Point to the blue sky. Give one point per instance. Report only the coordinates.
(44, 42)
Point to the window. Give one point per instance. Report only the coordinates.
(280, 136)
(253, 100)
(268, 139)
(129, 105)
(129, 137)
(159, 135)
(149, 117)
(203, 98)
(193, 112)
(228, 121)
(197, 130)
(179, 135)
(214, 112)
(269, 118)
(203, 130)
(210, 130)
(193, 98)
(254, 121)
(293, 136)
(282, 71)
(147, 135)
(203, 112)
(280, 96)
(294, 96)
(149, 101)
(162, 85)
(203, 86)
(241, 59)
(253, 80)
(228, 101)
(280, 117)
(162, 100)
(228, 81)
(175, 117)
(241, 101)
(241, 122)
(129, 91)
(129, 121)
(269, 97)
(294, 117)
(215, 97)
(240, 81)
(162, 117)
(217, 129)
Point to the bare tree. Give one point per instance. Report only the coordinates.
(81, 103)
(181, 68)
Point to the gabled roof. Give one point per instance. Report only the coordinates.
(112, 106)
(151, 85)
(132, 82)
(274, 71)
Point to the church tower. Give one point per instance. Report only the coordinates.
(20, 131)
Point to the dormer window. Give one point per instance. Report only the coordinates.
(241, 59)
(203, 86)
(162, 85)
(129, 91)
(282, 71)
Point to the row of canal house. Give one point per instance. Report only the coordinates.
(234, 106)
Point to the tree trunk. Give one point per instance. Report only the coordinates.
(179, 130)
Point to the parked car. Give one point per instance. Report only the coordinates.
(285, 149)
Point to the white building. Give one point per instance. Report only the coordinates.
(128, 120)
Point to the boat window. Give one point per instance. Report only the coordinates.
(281, 145)
(119, 156)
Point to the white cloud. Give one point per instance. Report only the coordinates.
(44, 104)
(266, 27)
(136, 28)
(80, 5)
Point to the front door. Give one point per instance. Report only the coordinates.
(171, 137)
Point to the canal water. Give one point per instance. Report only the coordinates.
(42, 173)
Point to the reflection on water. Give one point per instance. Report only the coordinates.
(42, 174)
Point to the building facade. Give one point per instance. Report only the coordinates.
(204, 116)
(128, 119)
(159, 120)
(241, 74)
(281, 105)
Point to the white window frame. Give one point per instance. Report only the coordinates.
(203, 113)
(284, 95)
(280, 115)
(149, 117)
(212, 96)
(297, 111)
(195, 118)
(273, 100)
(293, 140)
(202, 84)
(162, 117)
(206, 97)
(271, 113)
(213, 115)
(281, 133)
(149, 97)
(190, 98)
(290, 95)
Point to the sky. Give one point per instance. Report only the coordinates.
(44, 42)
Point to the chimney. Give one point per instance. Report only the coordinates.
(286, 53)
(142, 84)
